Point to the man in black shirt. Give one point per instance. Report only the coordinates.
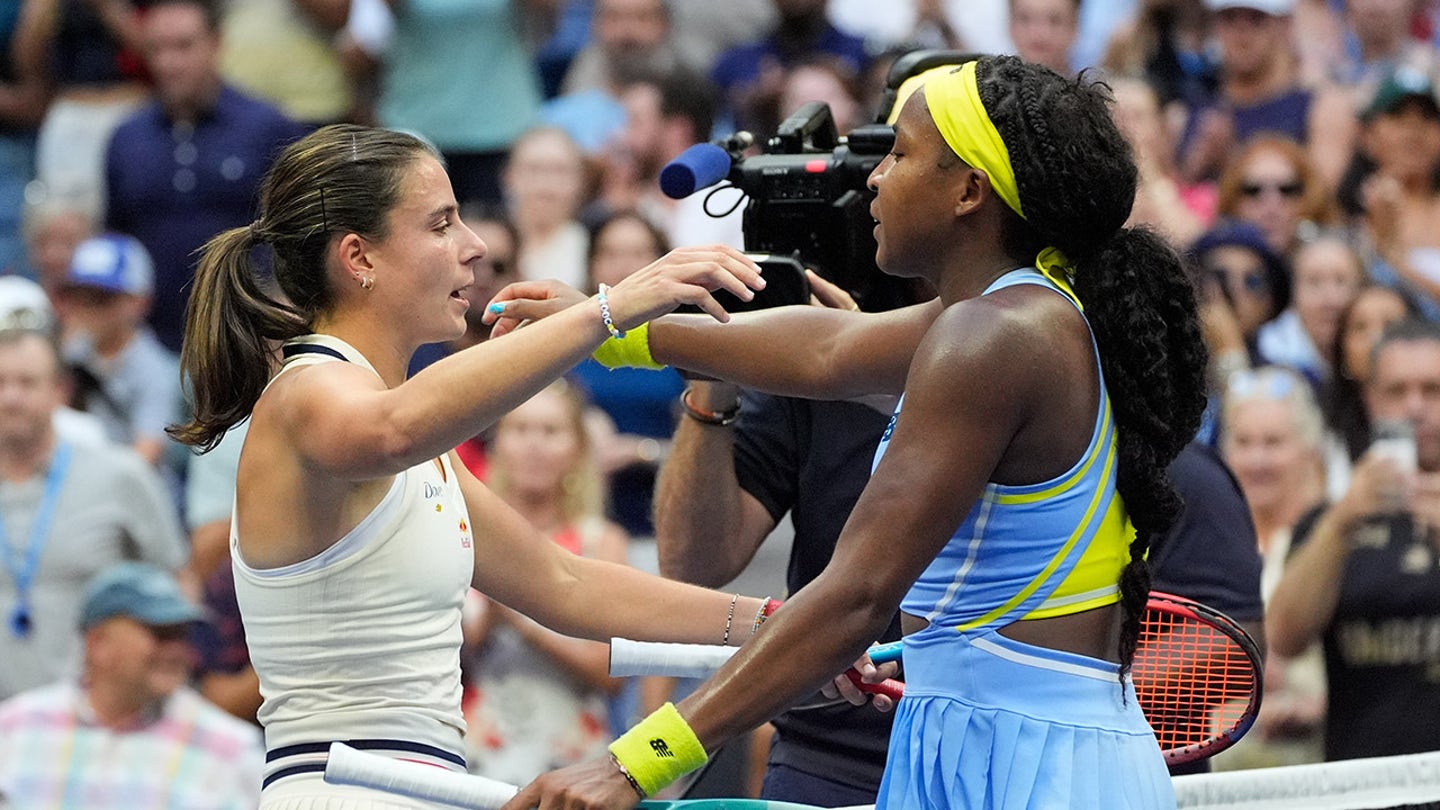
(1363, 574)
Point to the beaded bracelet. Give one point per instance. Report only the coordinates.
(720, 418)
(604, 296)
(729, 617)
(767, 609)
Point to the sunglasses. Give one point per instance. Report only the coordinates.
(1252, 280)
(1289, 190)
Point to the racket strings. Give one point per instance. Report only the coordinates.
(1193, 682)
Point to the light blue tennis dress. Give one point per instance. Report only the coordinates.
(989, 722)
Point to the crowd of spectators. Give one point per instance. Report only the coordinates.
(1290, 148)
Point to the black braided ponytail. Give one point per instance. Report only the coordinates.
(1076, 179)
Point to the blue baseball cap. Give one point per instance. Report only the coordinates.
(140, 591)
(113, 262)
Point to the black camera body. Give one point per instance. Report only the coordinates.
(808, 193)
(808, 197)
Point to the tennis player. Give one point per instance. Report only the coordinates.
(356, 532)
(1018, 486)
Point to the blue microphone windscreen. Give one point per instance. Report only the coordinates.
(702, 165)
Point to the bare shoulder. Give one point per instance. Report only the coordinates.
(1017, 322)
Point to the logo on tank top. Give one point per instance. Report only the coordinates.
(464, 534)
(889, 428)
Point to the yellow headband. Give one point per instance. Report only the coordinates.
(954, 101)
(955, 106)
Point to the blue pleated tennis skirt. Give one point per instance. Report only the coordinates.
(989, 723)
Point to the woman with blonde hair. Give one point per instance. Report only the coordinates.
(537, 699)
(1274, 443)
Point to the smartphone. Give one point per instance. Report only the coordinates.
(1395, 439)
(785, 284)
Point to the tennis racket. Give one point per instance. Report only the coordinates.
(1197, 674)
(348, 766)
(1198, 677)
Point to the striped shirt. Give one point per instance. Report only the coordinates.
(191, 755)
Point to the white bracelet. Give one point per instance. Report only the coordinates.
(604, 290)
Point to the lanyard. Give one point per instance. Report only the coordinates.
(23, 565)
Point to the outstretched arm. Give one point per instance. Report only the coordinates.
(590, 598)
(344, 421)
(801, 351)
(947, 441)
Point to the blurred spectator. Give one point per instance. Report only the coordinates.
(88, 52)
(704, 29)
(122, 373)
(1243, 284)
(819, 78)
(546, 184)
(755, 70)
(1373, 308)
(1259, 91)
(631, 40)
(1181, 212)
(24, 305)
(1398, 184)
(1272, 183)
(460, 74)
(1044, 31)
(1273, 442)
(53, 229)
(1377, 36)
(963, 25)
(24, 95)
(128, 733)
(67, 511)
(636, 406)
(1363, 578)
(284, 52)
(628, 38)
(536, 699)
(187, 165)
(1167, 42)
(665, 115)
(1326, 274)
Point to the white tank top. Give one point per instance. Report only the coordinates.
(363, 639)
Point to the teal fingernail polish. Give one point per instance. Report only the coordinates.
(498, 309)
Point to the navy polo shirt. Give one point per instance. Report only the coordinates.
(174, 185)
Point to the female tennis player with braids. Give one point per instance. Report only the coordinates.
(356, 531)
(1020, 483)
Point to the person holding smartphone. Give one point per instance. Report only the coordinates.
(1364, 576)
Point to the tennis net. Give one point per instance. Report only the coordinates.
(1410, 782)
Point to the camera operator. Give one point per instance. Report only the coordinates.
(1364, 576)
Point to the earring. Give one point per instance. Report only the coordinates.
(366, 282)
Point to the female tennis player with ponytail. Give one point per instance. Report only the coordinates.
(1018, 487)
(356, 531)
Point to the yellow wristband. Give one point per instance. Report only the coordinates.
(658, 750)
(631, 351)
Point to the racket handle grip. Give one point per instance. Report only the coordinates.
(889, 687)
